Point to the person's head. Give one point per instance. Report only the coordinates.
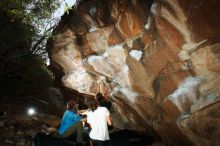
(93, 104)
(99, 97)
(71, 105)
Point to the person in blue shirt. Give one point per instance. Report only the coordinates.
(71, 123)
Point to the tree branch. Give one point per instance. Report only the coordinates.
(34, 48)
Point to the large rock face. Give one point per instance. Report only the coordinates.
(159, 60)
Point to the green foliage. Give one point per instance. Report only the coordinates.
(30, 9)
(67, 8)
(34, 15)
(30, 80)
(22, 72)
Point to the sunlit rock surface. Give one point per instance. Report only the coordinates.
(159, 60)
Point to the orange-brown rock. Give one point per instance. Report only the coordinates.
(159, 60)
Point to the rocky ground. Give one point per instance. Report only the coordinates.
(20, 130)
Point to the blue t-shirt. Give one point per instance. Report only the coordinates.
(69, 118)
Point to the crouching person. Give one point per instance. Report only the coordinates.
(71, 123)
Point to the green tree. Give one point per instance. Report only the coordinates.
(22, 46)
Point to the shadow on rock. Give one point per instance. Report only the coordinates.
(118, 138)
(130, 138)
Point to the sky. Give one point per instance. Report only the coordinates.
(60, 10)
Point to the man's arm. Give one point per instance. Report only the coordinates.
(109, 120)
(84, 120)
(83, 112)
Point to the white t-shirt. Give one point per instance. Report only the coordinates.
(98, 122)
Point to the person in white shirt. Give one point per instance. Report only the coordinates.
(98, 118)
